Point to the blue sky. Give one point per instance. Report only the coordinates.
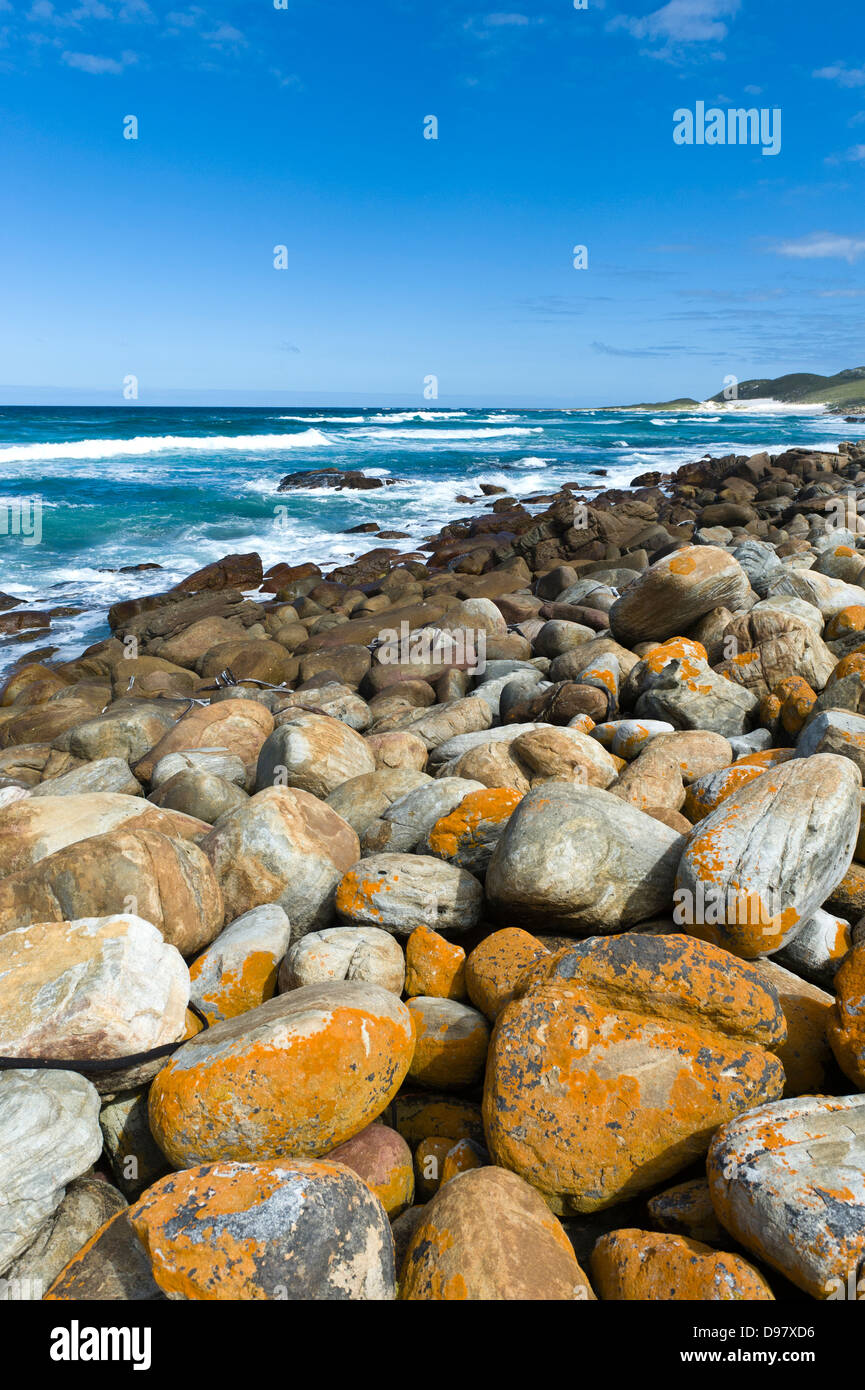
(304, 127)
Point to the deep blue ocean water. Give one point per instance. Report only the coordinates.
(183, 486)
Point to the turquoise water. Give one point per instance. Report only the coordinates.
(184, 486)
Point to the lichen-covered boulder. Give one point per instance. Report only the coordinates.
(399, 892)
(613, 1068)
(757, 868)
(629, 1265)
(238, 971)
(788, 1182)
(292, 1078)
(276, 1230)
(496, 966)
(451, 1043)
(434, 966)
(469, 834)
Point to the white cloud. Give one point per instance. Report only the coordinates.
(225, 36)
(681, 21)
(822, 246)
(96, 66)
(844, 76)
(500, 20)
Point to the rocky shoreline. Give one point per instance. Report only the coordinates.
(480, 922)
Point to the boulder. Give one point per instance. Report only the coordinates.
(126, 730)
(577, 859)
(344, 953)
(496, 967)
(292, 1078)
(468, 835)
(756, 869)
(488, 1236)
(618, 1059)
(203, 795)
(362, 800)
(846, 1023)
(805, 1056)
(313, 753)
(834, 731)
(32, 830)
(688, 694)
(103, 775)
(92, 989)
(235, 726)
(451, 1041)
(308, 1231)
(49, 1135)
(384, 1160)
(238, 971)
(218, 761)
(111, 1266)
(434, 966)
(399, 892)
(676, 591)
(282, 846)
(169, 882)
(788, 1182)
(642, 1266)
(408, 820)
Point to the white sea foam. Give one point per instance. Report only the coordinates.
(447, 436)
(162, 444)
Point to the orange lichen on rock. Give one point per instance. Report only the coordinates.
(292, 1078)
(239, 990)
(434, 966)
(496, 966)
(851, 619)
(701, 799)
(846, 1027)
(461, 829)
(683, 649)
(419, 1115)
(464, 1155)
(630, 1265)
(615, 1067)
(797, 700)
(266, 1230)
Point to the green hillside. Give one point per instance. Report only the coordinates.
(844, 391)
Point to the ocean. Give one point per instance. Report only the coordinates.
(183, 486)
